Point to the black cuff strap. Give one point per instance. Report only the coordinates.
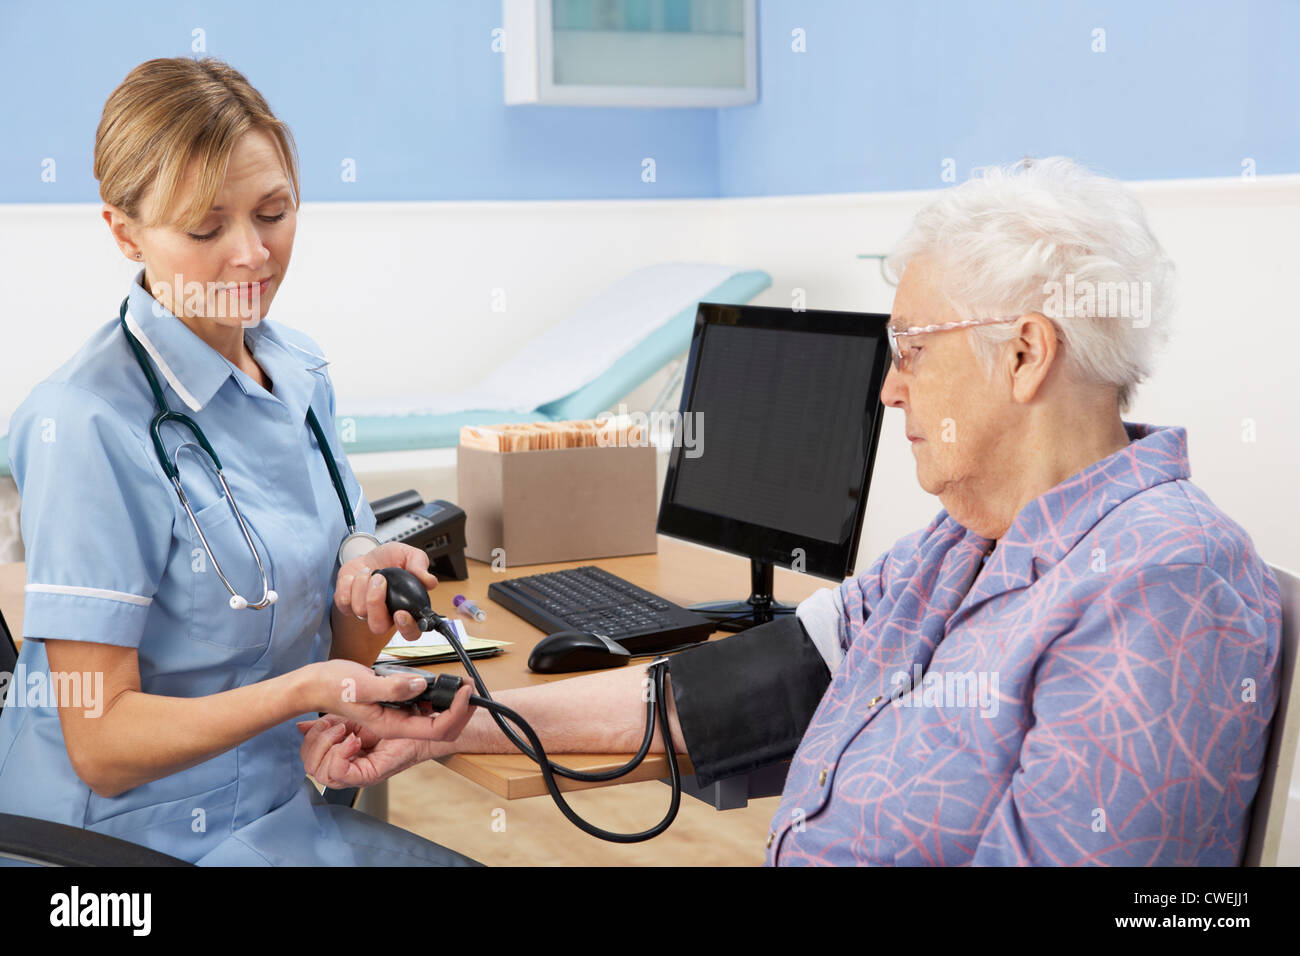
(745, 701)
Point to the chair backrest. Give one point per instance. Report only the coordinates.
(1264, 841)
(8, 658)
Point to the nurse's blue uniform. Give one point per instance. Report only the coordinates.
(112, 557)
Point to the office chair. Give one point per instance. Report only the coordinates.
(1264, 840)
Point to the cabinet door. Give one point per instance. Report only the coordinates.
(690, 53)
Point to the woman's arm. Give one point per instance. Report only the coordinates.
(119, 737)
(594, 713)
(745, 701)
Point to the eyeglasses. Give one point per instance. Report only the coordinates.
(903, 357)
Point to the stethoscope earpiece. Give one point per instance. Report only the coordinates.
(238, 603)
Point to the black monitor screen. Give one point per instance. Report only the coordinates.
(784, 415)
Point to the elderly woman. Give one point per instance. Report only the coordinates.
(1074, 662)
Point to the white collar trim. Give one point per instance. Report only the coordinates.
(184, 393)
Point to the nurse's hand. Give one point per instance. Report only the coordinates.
(342, 753)
(353, 692)
(360, 593)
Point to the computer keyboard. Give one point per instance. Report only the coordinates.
(591, 599)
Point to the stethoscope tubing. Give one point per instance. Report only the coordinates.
(351, 542)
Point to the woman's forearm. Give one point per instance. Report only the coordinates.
(594, 713)
(142, 737)
(119, 737)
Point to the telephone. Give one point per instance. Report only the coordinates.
(437, 528)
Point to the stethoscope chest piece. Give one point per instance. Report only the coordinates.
(355, 545)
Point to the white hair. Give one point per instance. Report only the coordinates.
(1051, 237)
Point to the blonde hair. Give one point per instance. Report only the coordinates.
(169, 113)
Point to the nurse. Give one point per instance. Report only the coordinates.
(178, 730)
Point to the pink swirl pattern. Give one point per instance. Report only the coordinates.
(1099, 692)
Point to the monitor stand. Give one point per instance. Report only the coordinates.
(760, 608)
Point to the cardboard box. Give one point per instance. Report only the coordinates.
(562, 504)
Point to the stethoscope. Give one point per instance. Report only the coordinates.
(355, 543)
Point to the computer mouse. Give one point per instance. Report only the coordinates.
(567, 651)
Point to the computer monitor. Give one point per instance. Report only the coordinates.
(773, 454)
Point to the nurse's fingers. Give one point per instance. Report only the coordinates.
(361, 586)
(407, 626)
(374, 610)
(349, 575)
(397, 687)
(447, 725)
(404, 725)
(451, 722)
(417, 562)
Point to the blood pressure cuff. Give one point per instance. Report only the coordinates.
(745, 701)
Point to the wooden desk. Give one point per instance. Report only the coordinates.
(680, 572)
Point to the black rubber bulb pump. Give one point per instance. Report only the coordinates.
(406, 593)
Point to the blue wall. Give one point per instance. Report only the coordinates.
(412, 91)
(886, 92)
